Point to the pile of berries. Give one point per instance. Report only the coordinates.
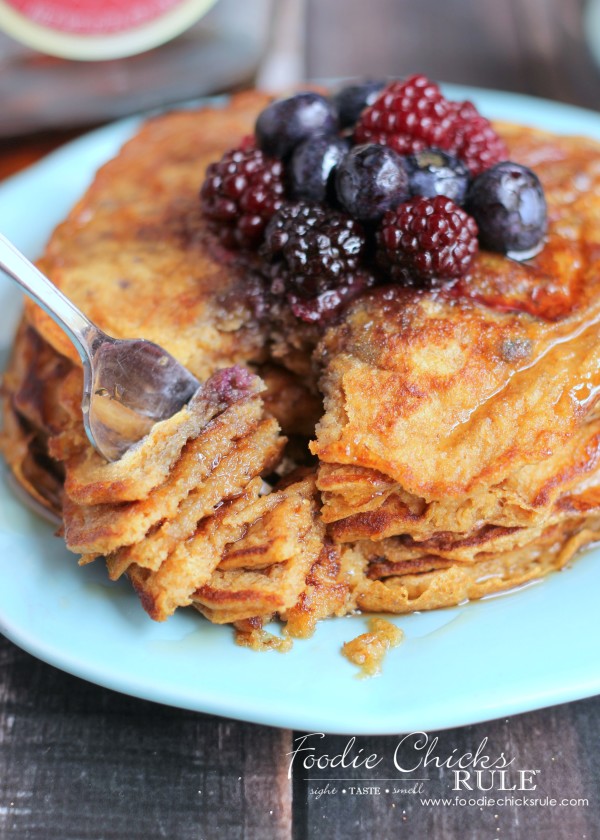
(380, 181)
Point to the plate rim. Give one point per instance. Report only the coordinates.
(543, 698)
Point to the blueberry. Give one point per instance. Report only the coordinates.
(311, 165)
(350, 101)
(370, 180)
(433, 172)
(508, 204)
(286, 122)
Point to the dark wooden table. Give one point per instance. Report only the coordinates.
(78, 761)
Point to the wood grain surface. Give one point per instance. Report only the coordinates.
(79, 762)
(530, 46)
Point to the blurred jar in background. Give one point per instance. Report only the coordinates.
(98, 29)
(67, 63)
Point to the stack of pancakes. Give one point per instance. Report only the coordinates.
(430, 446)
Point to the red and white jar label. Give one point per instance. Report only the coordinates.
(92, 17)
(98, 29)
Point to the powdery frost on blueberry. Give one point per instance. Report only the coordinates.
(286, 122)
(508, 204)
(370, 180)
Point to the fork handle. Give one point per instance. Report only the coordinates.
(80, 330)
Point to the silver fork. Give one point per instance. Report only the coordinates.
(128, 385)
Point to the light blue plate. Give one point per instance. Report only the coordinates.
(512, 653)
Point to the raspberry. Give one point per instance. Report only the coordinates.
(240, 193)
(413, 115)
(473, 139)
(315, 255)
(408, 116)
(427, 239)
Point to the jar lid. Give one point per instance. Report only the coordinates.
(98, 29)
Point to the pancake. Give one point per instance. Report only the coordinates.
(138, 237)
(41, 399)
(475, 404)
(454, 432)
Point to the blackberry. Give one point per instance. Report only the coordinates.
(473, 139)
(434, 172)
(240, 193)
(370, 180)
(315, 247)
(407, 116)
(350, 101)
(286, 122)
(508, 204)
(427, 239)
(323, 308)
(311, 166)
